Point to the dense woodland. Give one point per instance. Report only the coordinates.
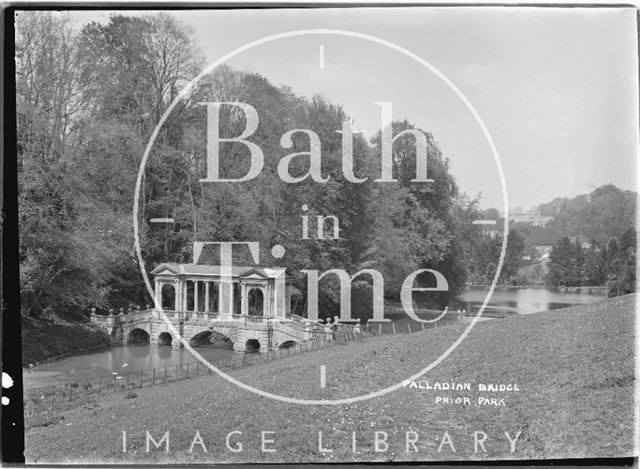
(88, 99)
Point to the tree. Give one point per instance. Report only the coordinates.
(442, 235)
(595, 264)
(110, 83)
(83, 112)
(604, 213)
(54, 256)
(621, 264)
(561, 264)
(513, 257)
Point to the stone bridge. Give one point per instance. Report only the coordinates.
(246, 333)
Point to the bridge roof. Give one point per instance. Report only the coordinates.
(215, 270)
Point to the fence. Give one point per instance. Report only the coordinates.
(44, 406)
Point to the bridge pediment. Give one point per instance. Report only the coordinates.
(254, 273)
(166, 269)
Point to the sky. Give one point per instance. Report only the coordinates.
(556, 88)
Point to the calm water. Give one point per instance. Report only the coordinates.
(505, 301)
(119, 359)
(520, 300)
(128, 358)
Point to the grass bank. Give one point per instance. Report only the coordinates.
(573, 369)
(46, 341)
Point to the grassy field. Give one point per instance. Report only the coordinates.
(574, 369)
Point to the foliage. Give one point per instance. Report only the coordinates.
(577, 264)
(580, 233)
(82, 122)
(603, 214)
(88, 100)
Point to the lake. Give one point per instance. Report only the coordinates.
(133, 357)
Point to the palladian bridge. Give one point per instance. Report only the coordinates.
(247, 306)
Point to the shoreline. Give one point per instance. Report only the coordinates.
(586, 290)
(75, 353)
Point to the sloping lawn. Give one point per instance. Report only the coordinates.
(574, 370)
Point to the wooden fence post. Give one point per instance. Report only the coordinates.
(409, 327)
(422, 325)
(393, 326)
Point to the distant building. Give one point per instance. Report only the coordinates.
(492, 230)
(532, 218)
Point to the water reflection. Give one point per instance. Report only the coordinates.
(504, 302)
(164, 351)
(520, 300)
(117, 359)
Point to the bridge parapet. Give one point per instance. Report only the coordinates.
(102, 320)
(271, 331)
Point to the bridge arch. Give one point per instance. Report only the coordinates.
(288, 344)
(252, 345)
(211, 338)
(138, 335)
(165, 338)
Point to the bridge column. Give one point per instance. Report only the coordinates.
(287, 300)
(183, 300)
(177, 286)
(216, 307)
(195, 295)
(269, 306)
(158, 294)
(243, 298)
(226, 298)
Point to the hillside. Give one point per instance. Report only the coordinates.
(603, 214)
(574, 369)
